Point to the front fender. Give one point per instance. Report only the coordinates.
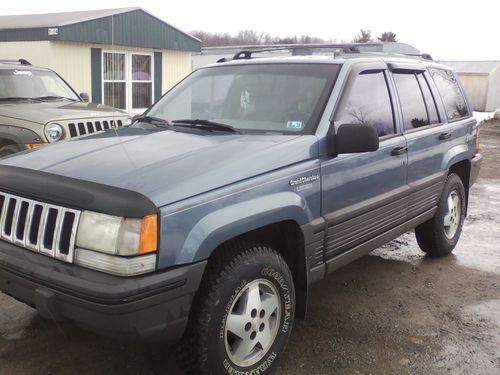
(231, 221)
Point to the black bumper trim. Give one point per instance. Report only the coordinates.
(154, 306)
(475, 167)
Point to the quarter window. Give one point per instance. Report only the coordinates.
(367, 102)
(412, 102)
(453, 99)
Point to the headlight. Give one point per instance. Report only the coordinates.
(117, 237)
(127, 122)
(54, 132)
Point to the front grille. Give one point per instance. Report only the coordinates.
(77, 129)
(37, 226)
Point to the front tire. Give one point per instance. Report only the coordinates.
(9, 149)
(243, 313)
(439, 236)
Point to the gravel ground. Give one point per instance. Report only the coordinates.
(394, 311)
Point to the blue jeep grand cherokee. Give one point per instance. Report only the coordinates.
(209, 218)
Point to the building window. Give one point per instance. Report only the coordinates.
(127, 80)
(114, 80)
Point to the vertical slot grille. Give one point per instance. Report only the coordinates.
(90, 127)
(72, 130)
(38, 226)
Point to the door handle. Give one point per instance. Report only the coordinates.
(399, 151)
(444, 136)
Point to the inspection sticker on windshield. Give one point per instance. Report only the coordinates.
(295, 125)
(22, 73)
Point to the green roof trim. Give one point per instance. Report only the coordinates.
(135, 28)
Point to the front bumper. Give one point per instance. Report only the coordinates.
(154, 307)
(475, 167)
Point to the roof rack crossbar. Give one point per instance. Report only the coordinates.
(346, 48)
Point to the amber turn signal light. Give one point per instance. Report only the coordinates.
(148, 242)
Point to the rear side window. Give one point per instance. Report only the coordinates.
(412, 102)
(430, 103)
(367, 102)
(453, 99)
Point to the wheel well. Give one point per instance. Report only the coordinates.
(5, 142)
(462, 169)
(286, 238)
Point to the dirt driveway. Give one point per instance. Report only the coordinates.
(391, 312)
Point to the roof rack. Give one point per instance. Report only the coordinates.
(296, 50)
(20, 61)
(307, 49)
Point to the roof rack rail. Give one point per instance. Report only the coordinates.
(20, 61)
(295, 48)
(425, 56)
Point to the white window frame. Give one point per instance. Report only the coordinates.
(128, 77)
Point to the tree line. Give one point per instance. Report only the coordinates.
(253, 37)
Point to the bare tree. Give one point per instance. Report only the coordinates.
(387, 36)
(364, 36)
(250, 37)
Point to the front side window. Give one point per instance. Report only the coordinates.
(127, 80)
(449, 90)
(367, 102)
(256, 98)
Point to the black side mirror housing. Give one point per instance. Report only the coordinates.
(354, 138)
(85, 97)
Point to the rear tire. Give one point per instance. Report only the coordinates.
(9, 150)
(439, 236)
(243, 313)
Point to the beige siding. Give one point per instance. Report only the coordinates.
(72, 62)
(493, 100)
(476, 88)
(176, 65)
(35, 52)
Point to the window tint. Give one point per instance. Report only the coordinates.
(453, 100)
(430, 103)
(368, 103)
(412, 102)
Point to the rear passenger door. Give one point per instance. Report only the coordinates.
(365, 194)
(426, 133)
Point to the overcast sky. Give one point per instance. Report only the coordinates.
(445, 29)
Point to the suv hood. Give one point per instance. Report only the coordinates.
(43, 112)
(167, 166)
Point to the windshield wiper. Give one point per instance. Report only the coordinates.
(17, 98)
(54, 97)
(204, 124)
(154, 121)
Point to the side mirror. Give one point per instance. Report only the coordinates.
(85, 97)
(353, 138)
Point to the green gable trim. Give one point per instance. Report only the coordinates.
(158, 56)
(96, 73)
(134, 29)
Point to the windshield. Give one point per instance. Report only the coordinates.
(260, 98)
(26, 83)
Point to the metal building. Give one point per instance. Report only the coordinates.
(481, 81)
(122, 57)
